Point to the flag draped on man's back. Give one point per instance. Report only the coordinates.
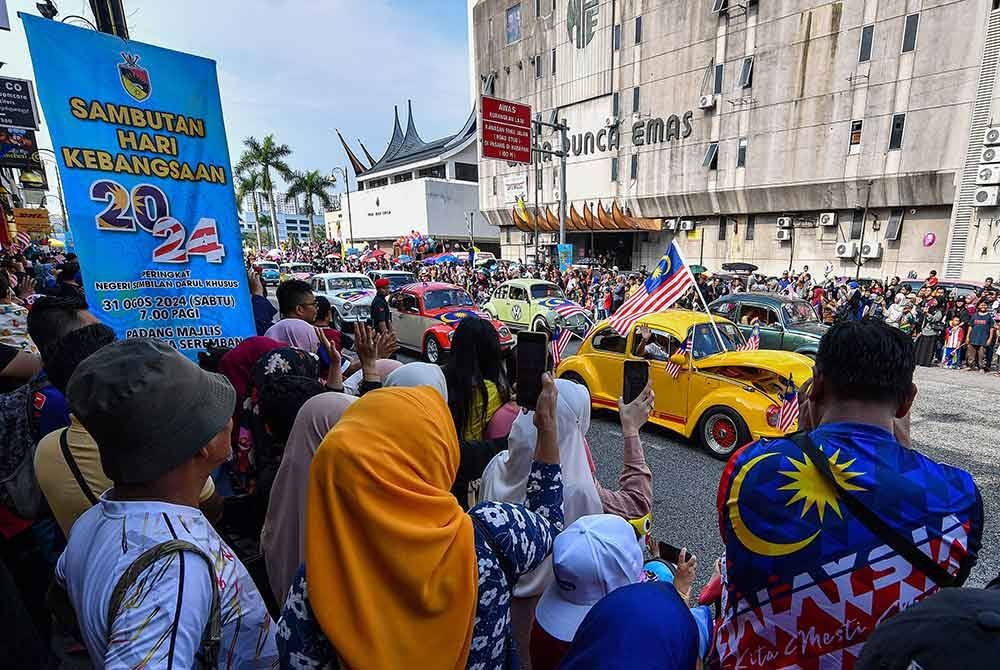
(668, 283)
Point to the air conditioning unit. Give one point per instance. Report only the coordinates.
(986, 196)
(687, 224)
(992, 136)
(783, 234)
(784, 222)
(990, 155)
(871, 250)
(827, 219)
(988, 174)
(670, 224)
(706, 102)
(847, 249)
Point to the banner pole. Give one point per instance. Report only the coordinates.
(697, 289)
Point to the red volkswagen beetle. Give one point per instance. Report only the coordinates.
(425, 315)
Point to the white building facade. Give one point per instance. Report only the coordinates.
(848, 136)
(430, 188)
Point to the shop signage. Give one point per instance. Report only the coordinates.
(648, 132)
(17, 103)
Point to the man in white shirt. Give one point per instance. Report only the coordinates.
(162, 425)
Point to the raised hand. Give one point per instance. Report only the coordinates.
(635, 414)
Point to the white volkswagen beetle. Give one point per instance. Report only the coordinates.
(350, 296)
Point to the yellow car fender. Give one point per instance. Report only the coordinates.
(580, 366)
(750, 405)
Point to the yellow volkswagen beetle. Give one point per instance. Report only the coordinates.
(725, 398)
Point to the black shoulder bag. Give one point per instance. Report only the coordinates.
(901, 544)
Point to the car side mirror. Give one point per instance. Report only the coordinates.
(679, 359)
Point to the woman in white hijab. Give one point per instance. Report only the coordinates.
(418, 374)
(506, 477)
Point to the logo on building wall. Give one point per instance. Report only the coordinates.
(135, 79)
(581, 21)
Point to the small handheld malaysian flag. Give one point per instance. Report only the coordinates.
(670, 279)
(673, 369)
(789, 413)
(753, 342)
(560, 340)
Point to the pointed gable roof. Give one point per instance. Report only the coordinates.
(409, 147)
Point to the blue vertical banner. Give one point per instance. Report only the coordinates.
(141, 149)
(565, 256)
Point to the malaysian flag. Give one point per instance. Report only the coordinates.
(668, 283)
(789, 413)
(563, 307)
(673, 369)
(560, 340)
(753, 342)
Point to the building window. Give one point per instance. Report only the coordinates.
(514, 23)
(538, 66)
(433, 172)
(614, 169)
(746, 73)
(553, 62)
(720, 6)
(751, 224)
(910, 32)
(615, 105)
(857, 224)
(638, 30)
(635, 100)
(712, 157)
(538, 8)
(741, 153)
(466, 172)
(856, 132)
(896, 134)
(616, 37)
(719, 70)
(722, 228)
(634, 171)
(867, 37)
(400, 178)
(506, 234)
(494, 184)
(895, 225)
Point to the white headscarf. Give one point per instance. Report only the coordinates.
(418, 374)
(506, 477)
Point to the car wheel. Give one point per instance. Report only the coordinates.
(432, 350)
(576, 379)
(722, 431)
(539, 325)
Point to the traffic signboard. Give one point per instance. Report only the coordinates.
(505, 129)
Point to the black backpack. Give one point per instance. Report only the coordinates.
(19, 490)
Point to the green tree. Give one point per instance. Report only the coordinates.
(250, 183)
(312, 185)
(268, 157)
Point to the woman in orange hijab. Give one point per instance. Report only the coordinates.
(397, 573)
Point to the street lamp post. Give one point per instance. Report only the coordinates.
(62, 196)
(347, 192)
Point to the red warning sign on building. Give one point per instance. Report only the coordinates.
(505, 129)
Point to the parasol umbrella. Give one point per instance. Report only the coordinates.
(431, 260)
(698, 269)
(58, 244)
(404, 259)
(446, 258)
(273, 254)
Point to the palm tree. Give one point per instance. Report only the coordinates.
(265, 156)
(311, 184)
(250, 183)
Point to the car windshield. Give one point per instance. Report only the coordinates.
(706, 343)
(338, 283)
(297, 267)
(452, 297)
(799, 312)
(397, 281)
(539, 291)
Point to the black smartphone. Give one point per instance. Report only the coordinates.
(670, 553)
(532, 355)
(635, 379)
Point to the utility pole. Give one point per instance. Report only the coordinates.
(864, 222)
(563, 129)
(110, 17)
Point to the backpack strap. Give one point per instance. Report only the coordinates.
(505, 564)
(883, 531)
(213, 629)
(75, 469)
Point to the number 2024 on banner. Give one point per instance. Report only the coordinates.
(148, 208)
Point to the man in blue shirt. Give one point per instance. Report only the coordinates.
(806, 581)
(982, 333)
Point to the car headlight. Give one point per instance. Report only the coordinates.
(348, 307)
(504, 332)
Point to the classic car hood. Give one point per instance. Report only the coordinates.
(354, 295)
(453, 315)
(779, 362)
(811, 329)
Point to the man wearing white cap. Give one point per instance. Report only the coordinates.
(595, 555)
